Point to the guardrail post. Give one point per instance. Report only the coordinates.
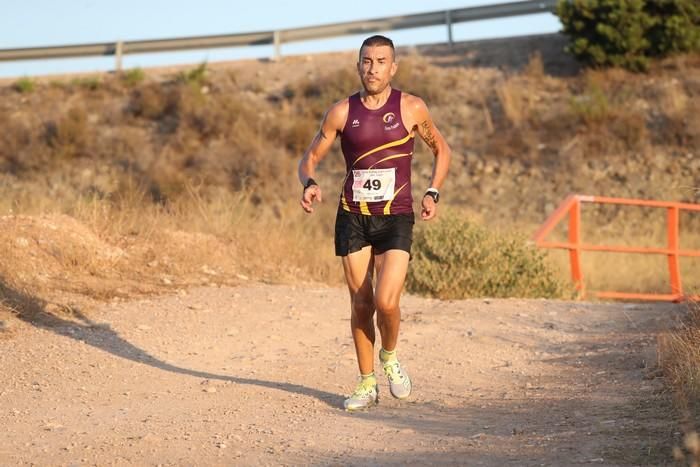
(575, 250)
(277, 41)
(674, 269)
(118, 52)
(448, 21)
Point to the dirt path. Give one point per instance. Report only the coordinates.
(255, 375)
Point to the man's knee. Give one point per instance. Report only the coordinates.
(386, 304)
(362, 307)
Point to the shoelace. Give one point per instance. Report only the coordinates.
(363, 390)
(393, 371)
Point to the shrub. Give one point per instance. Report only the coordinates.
(24, 85)
(91, 83)
(607, 32)
(627, 33)
(195, 77)
(456, 258)
(679, 353)
(151, 101)
(133, 77)
(70, 135)
(593, 106)
(676, 26)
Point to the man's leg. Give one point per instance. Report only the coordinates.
(391, 267)
(358, 274)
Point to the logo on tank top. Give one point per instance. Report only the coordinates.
(355, 123)
(390, 119)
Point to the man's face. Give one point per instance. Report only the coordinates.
(376, 68)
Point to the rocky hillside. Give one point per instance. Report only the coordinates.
(526, 127)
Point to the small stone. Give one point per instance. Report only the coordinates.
(52, 426)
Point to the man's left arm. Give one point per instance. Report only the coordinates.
(427, 130)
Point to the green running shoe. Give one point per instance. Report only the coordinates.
(399, 382)
(366, 395)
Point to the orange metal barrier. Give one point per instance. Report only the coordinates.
(571, 207)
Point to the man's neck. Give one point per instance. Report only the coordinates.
(375, 101)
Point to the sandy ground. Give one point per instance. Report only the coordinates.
(256, 375)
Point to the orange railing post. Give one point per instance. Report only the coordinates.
(674, 269)
(575, 248)
(571, 207)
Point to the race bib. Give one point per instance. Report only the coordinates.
(373, 185)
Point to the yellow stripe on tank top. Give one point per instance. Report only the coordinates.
(364, 209)
(395, 156)
(387, 207)
(344, 202)
(383, 146)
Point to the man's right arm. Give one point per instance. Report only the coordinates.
(332, 124)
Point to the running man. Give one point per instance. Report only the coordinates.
(374, 224)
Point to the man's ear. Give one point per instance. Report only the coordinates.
(394, 68)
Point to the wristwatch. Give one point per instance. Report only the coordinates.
(433, 193)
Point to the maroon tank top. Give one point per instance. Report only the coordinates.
(378, 152)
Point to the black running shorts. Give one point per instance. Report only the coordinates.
(353, 232)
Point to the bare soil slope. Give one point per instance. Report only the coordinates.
(255, 375)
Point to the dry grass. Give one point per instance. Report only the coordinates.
(517, 101)
(679, 354)
(213, 153)
(129, 245)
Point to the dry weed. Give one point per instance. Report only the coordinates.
(679, 353)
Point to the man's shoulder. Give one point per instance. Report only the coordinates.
(413, 109)
(338, 113)
(341, 105)
(411, 101)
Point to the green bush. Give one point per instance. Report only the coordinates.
(24, 85)
(676, 26)
(195, 77)
(91, 83)
(593, 106)
(133, 76)
(456, 258)
(627, 33)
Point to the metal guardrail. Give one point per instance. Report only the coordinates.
(277, 38)
(571, 207)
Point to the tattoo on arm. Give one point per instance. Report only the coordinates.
(321, 134)
(428, 135)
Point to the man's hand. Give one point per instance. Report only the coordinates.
(311, 194)
(429, 208)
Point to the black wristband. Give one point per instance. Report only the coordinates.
(310, 182)
(433, 193)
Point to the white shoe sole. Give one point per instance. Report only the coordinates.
(363, 407)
